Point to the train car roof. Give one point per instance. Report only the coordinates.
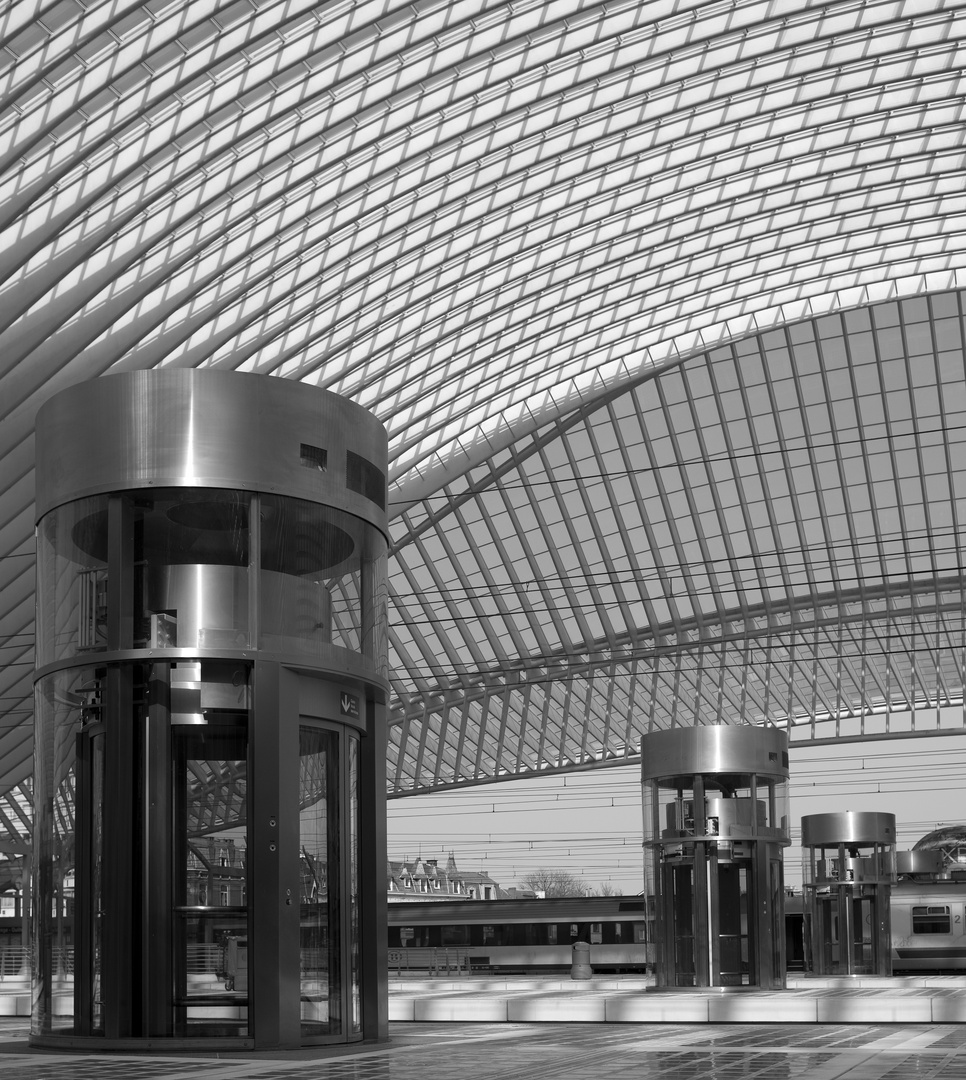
(483, 911)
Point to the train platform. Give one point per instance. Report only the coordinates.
(546, 1051)
(634, 999)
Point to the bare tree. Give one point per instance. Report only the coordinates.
(607, 889)
(554, 883)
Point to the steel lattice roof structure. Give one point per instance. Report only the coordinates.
(662, 304)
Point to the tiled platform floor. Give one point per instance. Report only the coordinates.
(550, 1052)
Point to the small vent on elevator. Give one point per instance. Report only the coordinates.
(365, 478)
(314, 457)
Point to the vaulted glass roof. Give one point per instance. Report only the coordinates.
(661, 304)
(768, 532)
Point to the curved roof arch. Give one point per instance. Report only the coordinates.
(766, 533)
(660, 303)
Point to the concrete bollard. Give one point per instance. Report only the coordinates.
(580, 968)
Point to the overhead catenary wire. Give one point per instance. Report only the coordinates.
(608, 804)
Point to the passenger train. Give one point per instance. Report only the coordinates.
(537, 936)
(515, 936)
(928, 924)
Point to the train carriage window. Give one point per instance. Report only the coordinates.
(456, 935)
(535, 933)
(551, 933)
(931, 919)
(514, 934)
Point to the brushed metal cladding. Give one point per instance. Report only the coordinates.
(211, 602)
(848, 827)
(919, 862)
(714, 750)
(214, 429)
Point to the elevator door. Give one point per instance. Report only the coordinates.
(328, 874)
(88, 926)
(843, 938)
(210, 939)
(711, 940)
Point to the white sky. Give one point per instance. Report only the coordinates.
(590, 823)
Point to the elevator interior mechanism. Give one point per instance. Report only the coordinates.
(715, 803)
(848, 870)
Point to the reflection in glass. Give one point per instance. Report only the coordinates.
(68, 713)
(320, 859)
(211, 897)
(195, 548)
(92, 805)
(72, 580)
(355, 958)
(322, 580)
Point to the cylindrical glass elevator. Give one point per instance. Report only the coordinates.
(848, 870)
(211, 687)
(715, 803)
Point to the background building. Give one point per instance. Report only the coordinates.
(425, 879)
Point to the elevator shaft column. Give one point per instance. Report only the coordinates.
(848, 869)
(210, 727)
(715, 803)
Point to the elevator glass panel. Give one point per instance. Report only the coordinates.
(778, 931)
(191, 554)
(72, 580)
(355, 916)
(91, 804)
(320, 850)
(211, 895)
(86, 929)
(863, 924)
(322, 581)
(681, 918)
(732, 924)
(329, 976)
(68, 877)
